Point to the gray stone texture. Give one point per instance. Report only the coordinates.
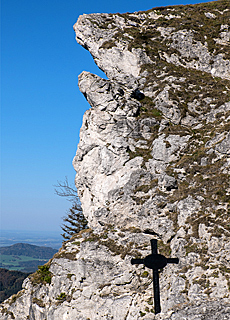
(153, 161)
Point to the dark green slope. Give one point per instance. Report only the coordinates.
(10, 282)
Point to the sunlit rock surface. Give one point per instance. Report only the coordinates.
(153, 161)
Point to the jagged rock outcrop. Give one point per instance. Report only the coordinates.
(153, 161)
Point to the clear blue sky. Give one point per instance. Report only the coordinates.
(41, 105)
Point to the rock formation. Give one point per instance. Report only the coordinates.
(153, 161)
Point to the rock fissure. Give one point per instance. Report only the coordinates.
(153, 161)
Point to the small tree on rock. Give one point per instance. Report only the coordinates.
(74, 221)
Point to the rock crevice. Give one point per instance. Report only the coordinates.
(153, 161)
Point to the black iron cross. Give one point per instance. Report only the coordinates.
(155, 261)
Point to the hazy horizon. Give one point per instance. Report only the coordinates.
(39, 238)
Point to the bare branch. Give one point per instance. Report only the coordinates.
(63, 189)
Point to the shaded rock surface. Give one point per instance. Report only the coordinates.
(153, 161)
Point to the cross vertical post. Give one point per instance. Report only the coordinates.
(154, 246)
(155, 262)
(156, 290)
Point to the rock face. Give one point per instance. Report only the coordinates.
(153, 161)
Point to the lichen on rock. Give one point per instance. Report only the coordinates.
(153, 161)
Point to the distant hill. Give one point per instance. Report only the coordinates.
(29, 250)
(24, 257)
(10, 282)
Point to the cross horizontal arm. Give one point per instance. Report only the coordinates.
(137, 261)
(172, 260)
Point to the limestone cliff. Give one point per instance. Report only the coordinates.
(153, 161)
